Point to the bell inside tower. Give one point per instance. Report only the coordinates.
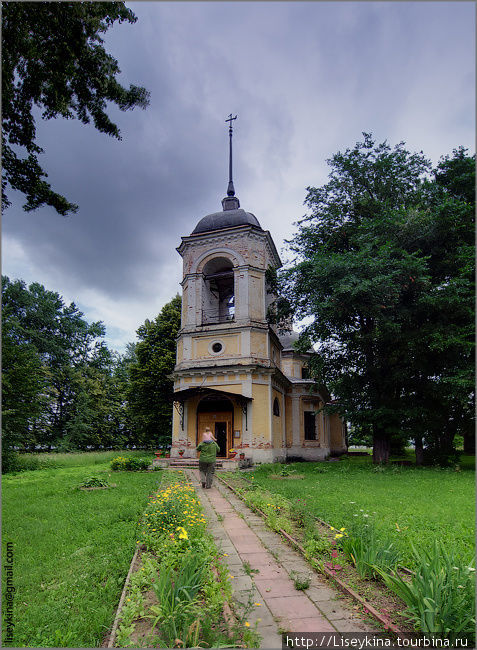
(218, 291)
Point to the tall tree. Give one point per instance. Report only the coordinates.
(387, 298)
(151, 385)
(53, 58)
(56, 344)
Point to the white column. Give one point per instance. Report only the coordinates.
(296, 425)
(241, 293)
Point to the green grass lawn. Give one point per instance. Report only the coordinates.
(409, 505)
(72, 548)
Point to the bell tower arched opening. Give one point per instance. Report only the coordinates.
(217, 414)
(218, 291)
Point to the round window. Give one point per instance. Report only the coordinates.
(217, 347)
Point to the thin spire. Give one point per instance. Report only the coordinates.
(230, 202)
(230, 189)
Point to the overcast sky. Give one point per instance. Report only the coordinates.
(305, 79)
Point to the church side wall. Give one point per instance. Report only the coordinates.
(261, 436)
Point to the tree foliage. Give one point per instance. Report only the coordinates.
(384, 271)
(150, 393)
(64, 389)
(53, 59)
(51, 362)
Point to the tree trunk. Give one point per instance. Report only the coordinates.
(469, 442)
(419, 449)
(381, 446)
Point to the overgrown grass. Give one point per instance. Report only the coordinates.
(407, 505)
(72, 548)
(77, 458)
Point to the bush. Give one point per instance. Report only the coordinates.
(12, 461)
(121, 464)
(94, 481)
(442, 456)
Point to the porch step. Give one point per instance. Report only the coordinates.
(192, 463)
(189, 462)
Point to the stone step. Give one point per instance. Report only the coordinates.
(192, 463)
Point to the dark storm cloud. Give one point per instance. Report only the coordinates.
(305, 79)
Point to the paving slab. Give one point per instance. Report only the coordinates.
(292, 607)
(267, 596)
(274, 588)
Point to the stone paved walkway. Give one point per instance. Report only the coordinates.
(245, 540)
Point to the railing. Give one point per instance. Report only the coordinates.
(212, 316)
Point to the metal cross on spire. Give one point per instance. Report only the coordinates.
(230, 189)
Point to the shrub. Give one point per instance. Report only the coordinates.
(121, 464)
(94, 481)
(12, 461)
(137, 464)
(440, 597)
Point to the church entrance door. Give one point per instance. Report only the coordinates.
(221, 426)
(217, 414)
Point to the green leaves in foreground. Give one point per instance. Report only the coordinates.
(441, 595)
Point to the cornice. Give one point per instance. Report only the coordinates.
(234, 233)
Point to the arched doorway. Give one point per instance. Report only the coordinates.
(217, 414)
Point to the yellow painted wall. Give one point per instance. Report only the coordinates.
(258, 344)
(230, 388)
(192, 419)
(200, 345)
(175, 424)
(261, 411)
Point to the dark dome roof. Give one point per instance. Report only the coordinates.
(226, 219)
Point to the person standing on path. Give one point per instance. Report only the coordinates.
(208, 449)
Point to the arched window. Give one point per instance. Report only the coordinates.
(218, 297)
(276, 407)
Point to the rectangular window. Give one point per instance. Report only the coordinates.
(310, 430)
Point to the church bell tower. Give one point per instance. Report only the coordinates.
(227, 353)
(233, 373)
